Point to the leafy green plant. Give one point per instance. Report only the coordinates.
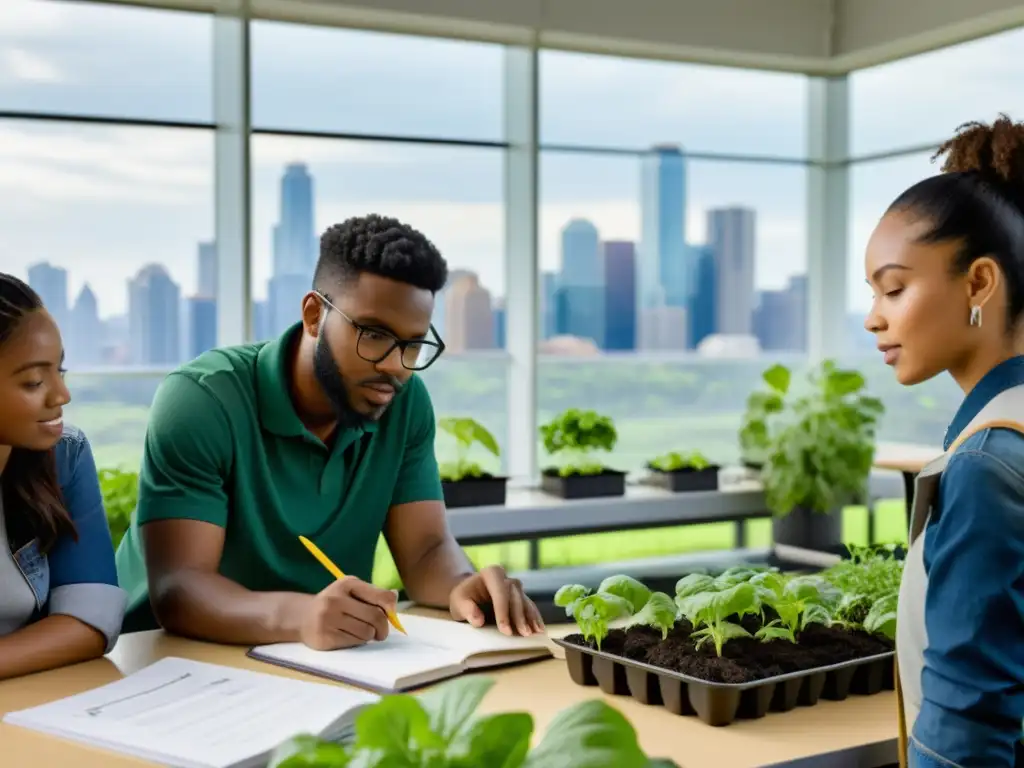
(659, 612)
(576, 435)
(869, 582)
(816, 446)
(709, 613)
(466, 433)
(440, 729)
(798, 601)
(629, 589)
(120, 489)
(676, 461)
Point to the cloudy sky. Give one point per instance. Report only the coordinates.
(103, 201)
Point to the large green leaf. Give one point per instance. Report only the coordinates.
(594, 734)
(496, 741)
(450, 705)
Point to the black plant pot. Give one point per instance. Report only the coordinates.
(609, 483)
(485, 491)
(819, 531)
(683, 480)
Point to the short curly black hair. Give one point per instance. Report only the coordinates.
(381, 246)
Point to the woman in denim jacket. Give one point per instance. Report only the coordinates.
(946, 266)
(59, 599)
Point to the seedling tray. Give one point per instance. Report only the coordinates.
(720, 704)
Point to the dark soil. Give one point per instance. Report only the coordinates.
(743, 660)
(555, 472)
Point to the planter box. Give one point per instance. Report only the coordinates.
(608, 483)
(683, 480)
(720, 704)
(822, 532)
(475, 492)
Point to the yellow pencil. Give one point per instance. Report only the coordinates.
(335, 571)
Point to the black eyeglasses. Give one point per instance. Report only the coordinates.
(375, 344)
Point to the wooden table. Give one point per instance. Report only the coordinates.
(857, 733)
(908, 459)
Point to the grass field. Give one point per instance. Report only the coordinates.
(890, 527)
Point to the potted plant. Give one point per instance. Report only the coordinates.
(576, 435)
(441, 728)
(818, 446)
(681, 472)
(465, 482)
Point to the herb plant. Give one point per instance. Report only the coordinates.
(676, 461)
(576, 435)
(593, 612)
(709, 613)
(440, 729)
(466, 433)
(816, 445)
(120, 490)
(659, 612)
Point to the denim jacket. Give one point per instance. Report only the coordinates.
(960, 629)
(77, 578)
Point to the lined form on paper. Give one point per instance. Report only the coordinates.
(196, 715)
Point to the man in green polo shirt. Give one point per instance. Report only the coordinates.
(327, 433)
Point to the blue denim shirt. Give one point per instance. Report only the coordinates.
(972, 684)
(77, 578)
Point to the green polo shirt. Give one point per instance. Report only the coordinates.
(225, 446)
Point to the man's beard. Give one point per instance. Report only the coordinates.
(329, 377)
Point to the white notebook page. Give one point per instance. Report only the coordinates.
(194, 714)
(431, 644)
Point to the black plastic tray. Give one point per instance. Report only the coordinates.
(721, 703)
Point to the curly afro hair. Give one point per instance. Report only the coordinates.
(978, 202)
(381, 246)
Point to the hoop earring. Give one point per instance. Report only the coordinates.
(976, 316)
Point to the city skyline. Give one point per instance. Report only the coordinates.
(106, 200)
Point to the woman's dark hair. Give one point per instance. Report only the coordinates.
(978, 201)
(33, 503)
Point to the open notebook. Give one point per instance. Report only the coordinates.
(188, 714)
(434, 649)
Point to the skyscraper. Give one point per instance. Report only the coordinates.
(619, 295)
(153, 317)
(731, 237)
(469, 319)
(663, 267)
(579, 303)
(705, 299)
(51, 283)
(295, 250)
(84, 336)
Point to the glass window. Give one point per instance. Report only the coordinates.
(585, 98)
(454, 195)
(873, 187)
(100, 59)
(112, 225)
(916, 414)
(922, 99)
(683, 333)
(322, 79)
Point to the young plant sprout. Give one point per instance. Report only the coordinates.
(466, 433)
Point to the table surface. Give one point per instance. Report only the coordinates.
(775, 738)
(904, 457)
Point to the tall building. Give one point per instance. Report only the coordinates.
(153, 317)
(440, 316)
(207, 270)
(500, 337)
(663, 328)
(731, 237)
(619, 295)
(663, 269)
(85, 333)
(579, 298)
(706, 297)
(780, 320)
(200, 326)
(295, 250)
(469, 320)
(51, 283)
